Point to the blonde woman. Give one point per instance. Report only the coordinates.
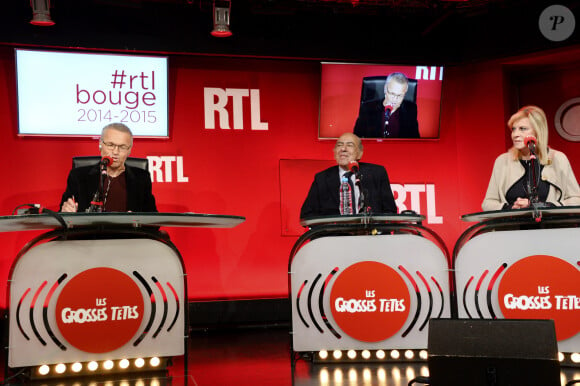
(509, 186)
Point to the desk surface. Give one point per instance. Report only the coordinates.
(361, 219)
(74, 220)
(519, 213)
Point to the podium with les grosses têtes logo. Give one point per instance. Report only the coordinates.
(522, 264)
(367, 283)
(102, 286)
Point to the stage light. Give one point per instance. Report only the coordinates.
(60, 368)
(139, 362)
(154, 362)
(76, 367)
(221, 18)
(575, 357)
(92, 366)
(561, 356)
(43, 370)
(41, 13)
(395, 355)
(124, 363)
(108, 364)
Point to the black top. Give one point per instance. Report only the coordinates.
(83, 182)
(371, 121)
(522, 188)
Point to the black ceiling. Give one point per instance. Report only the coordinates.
(386, 31)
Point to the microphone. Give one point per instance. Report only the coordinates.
(106, 161)
(530, 142)
(353, 166)
(388, 110)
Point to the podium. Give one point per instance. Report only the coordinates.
(363, 282)
(522, 264)
(103, 286)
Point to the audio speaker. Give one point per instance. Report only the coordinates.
(498, 352)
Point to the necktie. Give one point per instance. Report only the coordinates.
(347, 200)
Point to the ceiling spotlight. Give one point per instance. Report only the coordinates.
(41, 13)
(221, 18)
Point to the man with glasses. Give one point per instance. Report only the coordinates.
(324, 197)
(391, 117)
(124, 188)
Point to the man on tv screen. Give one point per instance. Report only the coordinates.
(390, 117)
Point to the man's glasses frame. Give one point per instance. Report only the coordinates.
(112, 146)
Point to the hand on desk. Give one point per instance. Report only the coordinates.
(521, 203)
(69, 205)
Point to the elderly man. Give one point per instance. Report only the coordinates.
(373, 193)
(124, 188)
(391, 117)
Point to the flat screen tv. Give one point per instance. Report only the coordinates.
(78, 93)
(353, 98)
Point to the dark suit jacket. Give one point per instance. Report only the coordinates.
(369, 123)
(82, 183)
(323, 198)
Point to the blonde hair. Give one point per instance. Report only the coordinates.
(539, 123)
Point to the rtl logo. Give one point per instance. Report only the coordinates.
(221, 103)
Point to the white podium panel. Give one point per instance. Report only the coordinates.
(367, 292)
(82, 300)
(523, 274)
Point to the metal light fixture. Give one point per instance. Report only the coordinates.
(221, 18)
(41, 13)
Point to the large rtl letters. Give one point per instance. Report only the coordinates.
(216, 100)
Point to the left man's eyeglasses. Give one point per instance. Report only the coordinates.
(112, 146)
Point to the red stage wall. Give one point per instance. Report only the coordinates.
(264, 174)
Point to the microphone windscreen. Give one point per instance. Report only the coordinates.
(353, 166)
(107, 160)
(530, 139)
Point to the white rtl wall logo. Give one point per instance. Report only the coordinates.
(429, 73)
(416, 194)
(165, 168)
(216, 101)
